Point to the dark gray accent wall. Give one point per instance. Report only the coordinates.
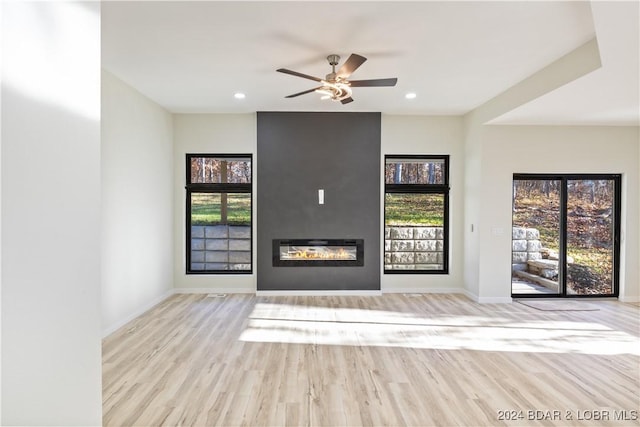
(299, 153)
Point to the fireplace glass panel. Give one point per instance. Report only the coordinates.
(305, 252)
(297, 252)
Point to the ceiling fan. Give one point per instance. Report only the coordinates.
(335, 85)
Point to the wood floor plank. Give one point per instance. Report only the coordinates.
(415, 360)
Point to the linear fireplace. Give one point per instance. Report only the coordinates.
(318, 252)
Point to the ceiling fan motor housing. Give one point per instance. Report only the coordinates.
(333, 61)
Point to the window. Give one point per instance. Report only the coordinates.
(565, 235)
(219, 210)
(416, 214)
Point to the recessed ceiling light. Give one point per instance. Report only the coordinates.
(239, 95)
(410, 95)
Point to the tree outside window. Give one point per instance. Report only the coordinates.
(219, 213)
(416, 214)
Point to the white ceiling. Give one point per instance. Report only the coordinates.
(193, 56)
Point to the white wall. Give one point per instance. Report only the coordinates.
(51, 349)
(429, 135)
(220, 133)
(209, 133)
(472, 173)
(1, 68)
(483, 160)
(137, 203)
(480, 264)
(1, 43)
(539, 149)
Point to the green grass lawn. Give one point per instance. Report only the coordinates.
(414, 209)
(205, 209)
(401, 209)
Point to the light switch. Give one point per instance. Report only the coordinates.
(321, 196)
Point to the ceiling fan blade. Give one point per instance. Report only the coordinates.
(304, 92)
(350, 65)
(374, 82)
(346, 100)
(295, 73)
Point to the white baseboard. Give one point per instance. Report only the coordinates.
(487, 300)
(400, 290)
(495, 300)
(629, 298)
(136, 313)
(318, 293)
(213, 291)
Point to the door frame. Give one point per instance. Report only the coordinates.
(562, 262)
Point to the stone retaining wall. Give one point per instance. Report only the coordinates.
(526, 246)
(220, 247)
(413, 248)
(529, 256)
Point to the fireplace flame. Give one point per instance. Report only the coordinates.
(304, 254)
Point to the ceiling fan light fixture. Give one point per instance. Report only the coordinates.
(324, 90)
(336, 85)
(336, 91)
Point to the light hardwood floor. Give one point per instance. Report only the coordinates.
(420, 360)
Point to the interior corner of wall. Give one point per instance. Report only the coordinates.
(471, 295)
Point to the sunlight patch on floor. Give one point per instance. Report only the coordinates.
(358, 327)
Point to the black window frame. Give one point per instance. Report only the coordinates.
(564, 178)
(442, 189)
(219, 188)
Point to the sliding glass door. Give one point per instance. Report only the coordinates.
(536, 236)
(591, 236)
(565, 235)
